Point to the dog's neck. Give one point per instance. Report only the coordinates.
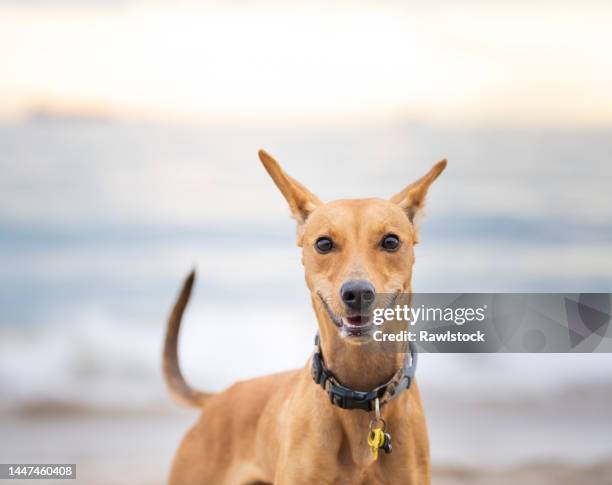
(352, 364)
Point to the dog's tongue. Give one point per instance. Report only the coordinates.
(358, 320)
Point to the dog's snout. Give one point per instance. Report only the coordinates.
(357, 295)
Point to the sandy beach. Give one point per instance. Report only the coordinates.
(545, 473)
(473, 444)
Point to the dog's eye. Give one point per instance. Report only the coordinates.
(324, 245)
(390, 243)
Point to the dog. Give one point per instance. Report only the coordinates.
(285, 429)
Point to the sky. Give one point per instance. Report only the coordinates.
(524, 63)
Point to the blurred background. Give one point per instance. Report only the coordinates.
(128, 140)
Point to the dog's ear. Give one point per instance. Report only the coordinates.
(412, 198)
(301, 201)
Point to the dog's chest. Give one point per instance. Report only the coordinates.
(365, 474)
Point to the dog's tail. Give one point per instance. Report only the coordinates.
(179, 389)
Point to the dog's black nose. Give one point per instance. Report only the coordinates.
(357, 295)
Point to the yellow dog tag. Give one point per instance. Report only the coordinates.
(376, 439)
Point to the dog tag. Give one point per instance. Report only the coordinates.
(387, 446)
(376, 439)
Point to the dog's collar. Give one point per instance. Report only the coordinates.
(347, 398)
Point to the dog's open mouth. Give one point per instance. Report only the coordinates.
(357, 326)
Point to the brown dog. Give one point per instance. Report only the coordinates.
(282, 428)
